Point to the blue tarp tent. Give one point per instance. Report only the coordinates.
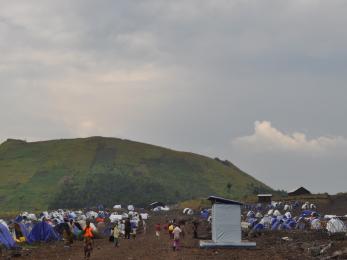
(42, 231)
(5, 238)
(306, 213)
(204, 214)
(258, 227)
(23, 229)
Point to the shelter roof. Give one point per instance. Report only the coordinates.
(220, 200)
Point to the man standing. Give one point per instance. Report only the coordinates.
(127, 228)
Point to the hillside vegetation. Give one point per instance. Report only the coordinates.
(90, 171)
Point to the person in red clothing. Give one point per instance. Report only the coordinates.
(157, 230)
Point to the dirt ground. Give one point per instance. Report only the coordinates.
(270, 245)
(147, 246)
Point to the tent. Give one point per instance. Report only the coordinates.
(21, 229)
(6, 238)
(115, 217)
(2, 222)
(156, 204)
(42, 231)
(188, 211)
(144, 216)
(204, 214)
(335, 225)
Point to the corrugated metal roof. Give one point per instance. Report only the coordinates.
(215, 199)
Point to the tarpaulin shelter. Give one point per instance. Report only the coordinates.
(6, 238)
(42, 231)
(156, 204)
(21, 229)
(335, 225)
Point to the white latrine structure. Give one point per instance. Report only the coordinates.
(226, 224)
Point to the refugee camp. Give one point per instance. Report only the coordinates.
(214, 227)
(173, 130)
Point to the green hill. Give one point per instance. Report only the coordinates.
(96, 170)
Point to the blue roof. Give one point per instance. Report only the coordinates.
(220, 200)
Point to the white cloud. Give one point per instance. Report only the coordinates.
(267, 138)
(288, 160)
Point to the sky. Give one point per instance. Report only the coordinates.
(260, 83)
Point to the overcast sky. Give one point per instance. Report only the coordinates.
(260, 83)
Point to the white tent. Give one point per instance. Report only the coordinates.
(335, 225)
(144, 216)
(3, 223)
(115, 217)
(188, 211)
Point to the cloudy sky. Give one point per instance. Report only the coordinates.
(260, 83)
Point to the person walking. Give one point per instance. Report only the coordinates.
(116, 233)
(88, 240)
(127, 228)
(171, 227)
(157, 230)
(176, 238)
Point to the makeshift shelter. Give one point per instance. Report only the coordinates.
(21, 231)
(6, 238)
(265, 198)
(188, 211)
(42, 231)
(299, 191)
(226, 224)
(156, 204)
(335, 225)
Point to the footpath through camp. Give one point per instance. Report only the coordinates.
(281, 230)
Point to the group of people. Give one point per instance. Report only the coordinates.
(126, 229)
(174, 231)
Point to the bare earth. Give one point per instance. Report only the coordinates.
(147, 246)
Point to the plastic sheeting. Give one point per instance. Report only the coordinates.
(42, 231)
(6, 238)
(335, 226)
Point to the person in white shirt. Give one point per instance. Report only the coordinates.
(176, 237)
